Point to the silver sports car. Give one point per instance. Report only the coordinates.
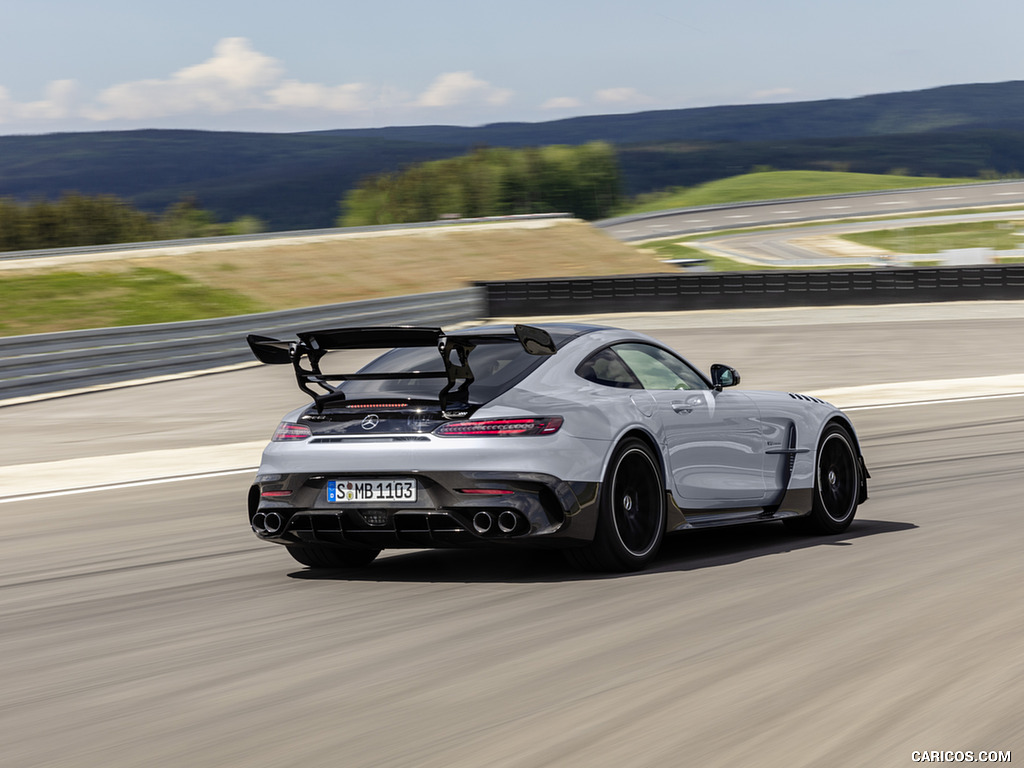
(592, 439)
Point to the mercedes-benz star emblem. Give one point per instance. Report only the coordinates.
(371, 421)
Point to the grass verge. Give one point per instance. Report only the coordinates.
(772, 185)
(274, 276)
(63, 301)
(998, 235)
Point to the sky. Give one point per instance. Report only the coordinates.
(307, 65)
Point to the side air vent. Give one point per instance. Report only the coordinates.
(808, 398)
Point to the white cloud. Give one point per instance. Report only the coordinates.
(621, 96)
(562, 102)
(236, 66)
(237, 78)
(337, 98)
(454, 88)
(58, 103)
(6, 105)
(773, 93)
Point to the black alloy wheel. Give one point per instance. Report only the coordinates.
(836, 485)
(631, 522)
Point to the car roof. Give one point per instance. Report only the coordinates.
(560, 332)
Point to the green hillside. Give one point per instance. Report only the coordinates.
(775, 185)
(295, 181)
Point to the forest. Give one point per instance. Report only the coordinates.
(583, 181)
(80, 220)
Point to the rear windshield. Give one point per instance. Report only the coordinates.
(496, 369)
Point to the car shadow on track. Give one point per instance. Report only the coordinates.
(688, 551)
(710, 547)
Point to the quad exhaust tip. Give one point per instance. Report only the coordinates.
(508, 521)
(483, 522)
(267, 523)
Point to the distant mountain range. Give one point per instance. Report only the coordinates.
(296, 180)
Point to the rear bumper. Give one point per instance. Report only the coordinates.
(533, 509)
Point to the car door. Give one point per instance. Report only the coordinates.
(714, 441)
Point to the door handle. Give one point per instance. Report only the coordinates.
(693, 401)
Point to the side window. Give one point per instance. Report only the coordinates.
(607, 368)
(658, 369)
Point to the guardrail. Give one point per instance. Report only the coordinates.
(52, 362)
(734, 290)
(55, 362)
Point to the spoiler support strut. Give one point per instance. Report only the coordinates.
(455, 350)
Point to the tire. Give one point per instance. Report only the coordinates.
(837, 483)
(319, 556)
(631, 514)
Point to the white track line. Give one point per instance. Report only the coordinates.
(124, 470)
(119, 486)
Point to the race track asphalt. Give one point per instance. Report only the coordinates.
(145, 625)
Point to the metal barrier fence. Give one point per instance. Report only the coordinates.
(52, 362)
(62, 361)
(733, 290)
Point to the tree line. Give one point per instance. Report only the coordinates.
(78, 220)
(495, 181)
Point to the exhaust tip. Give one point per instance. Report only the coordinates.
(508, 521)
(259, 522)
(273, 522)
(483, 522)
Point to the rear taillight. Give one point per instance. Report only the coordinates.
(546, 425)
(287, 431)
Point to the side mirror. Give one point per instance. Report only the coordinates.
(723, 376)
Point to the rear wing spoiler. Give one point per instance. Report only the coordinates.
(454, 349)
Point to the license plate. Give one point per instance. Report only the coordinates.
(348, 491)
